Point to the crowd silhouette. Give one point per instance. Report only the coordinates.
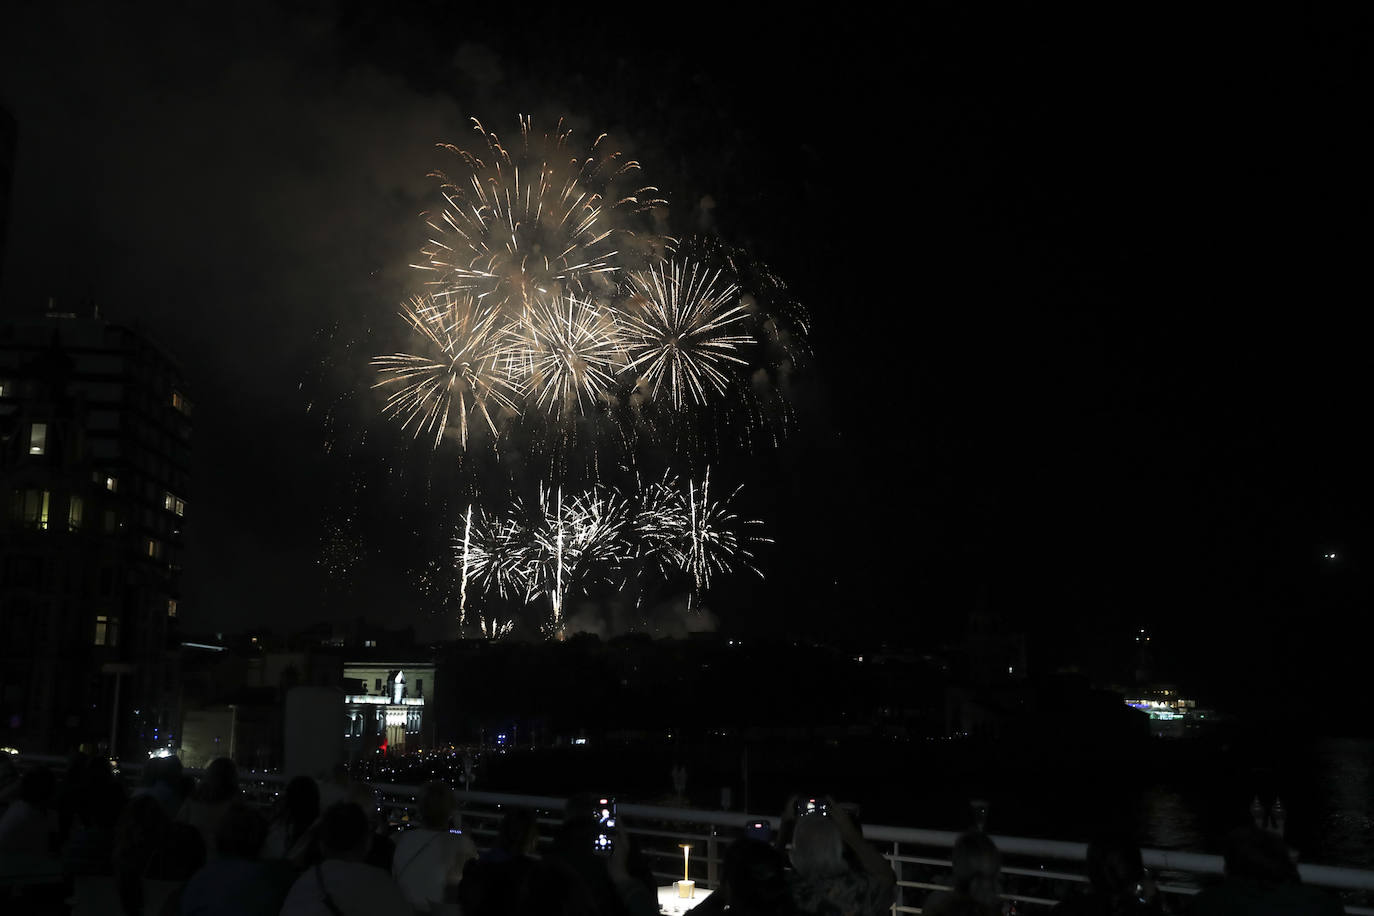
(178, 845)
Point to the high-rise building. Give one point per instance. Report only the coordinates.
(95, 430)
(9, 134)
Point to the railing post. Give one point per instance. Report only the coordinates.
(899, 897)
(712, 864)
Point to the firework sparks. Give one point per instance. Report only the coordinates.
(571, 543)
(464, 374)
(499, 557)
(530, 219)
(710, 542)
(569, 352)
(528, 316)
(682, 331)
(548, 312)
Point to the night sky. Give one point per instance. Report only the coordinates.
(1088, 294)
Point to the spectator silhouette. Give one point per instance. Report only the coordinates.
(823, 882)
(152, 854)
(977, 869)
(94, 801)
(343, 884)
(552, 889)
(9, 776)
(1118, 884)
(335, 786)
(381, 850)
(166, 782)
(429, 860)
(753, 882)
(218, 788)
(1261, 880)
(71, 792)
(492, 882)
(237, 883)
(29, 824)
(299, 808)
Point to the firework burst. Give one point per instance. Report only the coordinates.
(464, 373)
(569, 352)
(570, 544)
(683, 330)
(495, 552)
(530, 219)
(555, 320)
(710, 539)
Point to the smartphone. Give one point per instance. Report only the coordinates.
(807, 806)
(605, 825)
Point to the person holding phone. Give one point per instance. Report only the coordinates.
(617, 881)
(823, 882)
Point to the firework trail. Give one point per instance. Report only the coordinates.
(573, 538)
(467, 555)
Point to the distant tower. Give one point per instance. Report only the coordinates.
(1144, 656)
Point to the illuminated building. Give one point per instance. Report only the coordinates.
(95, 431)
(385, 706)
(1170, 714)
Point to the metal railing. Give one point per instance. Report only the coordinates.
(1037, 873)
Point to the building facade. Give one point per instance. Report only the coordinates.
(8, 141)
(385, 707)
(95, 437)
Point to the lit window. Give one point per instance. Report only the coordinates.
(106, 631)
(172, 503)
(180, 403)
(31, 508)
(171, 607)
(74, 514)
(152, 548)
(38, 439)
(112, 483)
